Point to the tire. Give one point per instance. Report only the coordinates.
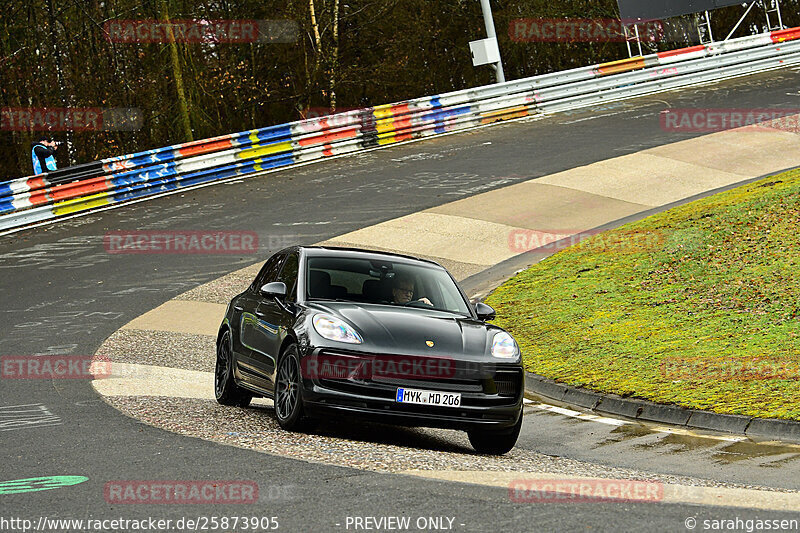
(226, 390)
(493, 442)
(288, 397)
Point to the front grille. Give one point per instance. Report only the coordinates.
(508, 382)
(451, 385)
(439, 373)
(482, 384)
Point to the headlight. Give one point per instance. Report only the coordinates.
(336, 330)
(503, 345)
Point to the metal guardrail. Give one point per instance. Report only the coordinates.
(649, 81)
(131, 177)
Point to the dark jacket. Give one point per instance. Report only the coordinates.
(43, 159)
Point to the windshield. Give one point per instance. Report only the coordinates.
(383, 282)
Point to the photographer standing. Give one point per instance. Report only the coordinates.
(42, 155)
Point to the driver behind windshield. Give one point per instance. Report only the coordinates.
(403, 290)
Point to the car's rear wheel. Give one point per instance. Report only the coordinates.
(495, 442)
(288, 400)
(226, 390)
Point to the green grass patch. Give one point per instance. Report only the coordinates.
(698, 306)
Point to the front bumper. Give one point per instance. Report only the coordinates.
(491, 396)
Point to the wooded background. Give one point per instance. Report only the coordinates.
(347, 54)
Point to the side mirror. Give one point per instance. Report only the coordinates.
(484, 311)
(276, 288)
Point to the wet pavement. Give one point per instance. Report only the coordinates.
(665, 450)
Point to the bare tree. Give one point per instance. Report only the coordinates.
(177, 75)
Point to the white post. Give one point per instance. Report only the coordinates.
(488, 21)
(742, 20)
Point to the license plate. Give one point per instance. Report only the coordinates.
(429, 397)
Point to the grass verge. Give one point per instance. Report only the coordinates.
(697, 306)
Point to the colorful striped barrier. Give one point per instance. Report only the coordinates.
(131, 177)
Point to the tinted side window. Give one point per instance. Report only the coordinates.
(269, 272)
(289, 276)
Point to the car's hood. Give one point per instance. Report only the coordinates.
(407, 331)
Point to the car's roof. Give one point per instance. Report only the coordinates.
(335, 251)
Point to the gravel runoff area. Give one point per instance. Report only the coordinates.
(373, 447)
(161, 348)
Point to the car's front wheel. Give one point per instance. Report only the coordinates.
(495, 442)
(226, 390)
(288, 401)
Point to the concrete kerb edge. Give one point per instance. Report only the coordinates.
(673, 415)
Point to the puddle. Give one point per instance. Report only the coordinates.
(677, 443)
(762, 454)
(768, 454)
(623, 433)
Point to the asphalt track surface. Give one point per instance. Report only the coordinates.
(62, 293)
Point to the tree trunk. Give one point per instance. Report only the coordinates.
(177, 74)
(62, 87)
(334, 55)
(317, 38)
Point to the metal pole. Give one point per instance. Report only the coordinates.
(627, 40)
(638, 39)
(488, 21)
(742, 20)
